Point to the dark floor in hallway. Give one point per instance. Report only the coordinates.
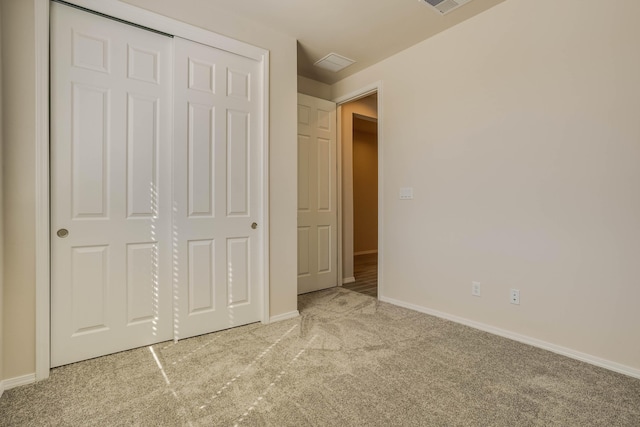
(365, 270)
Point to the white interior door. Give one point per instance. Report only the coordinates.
(110, 150)
(317, 195)
(217, 189)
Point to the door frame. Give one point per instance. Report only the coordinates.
(133, 14)
(367, 90)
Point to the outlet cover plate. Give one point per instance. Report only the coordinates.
(515, 296)
(475, 289)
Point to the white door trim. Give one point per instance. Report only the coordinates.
(341, 280)
(354, 96)
(43, 250)
(117, 9)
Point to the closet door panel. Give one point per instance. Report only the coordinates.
(217, 189)
(110, 205)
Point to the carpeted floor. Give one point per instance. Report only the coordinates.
(349, 360)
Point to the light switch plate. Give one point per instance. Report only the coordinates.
(406, 193)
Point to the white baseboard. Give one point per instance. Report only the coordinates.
(10, 383)
(584, 357)
(373, 251)
(348, 280)
(284, 316)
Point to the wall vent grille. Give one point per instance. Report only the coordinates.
(442, 7)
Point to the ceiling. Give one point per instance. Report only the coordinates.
(366, 31)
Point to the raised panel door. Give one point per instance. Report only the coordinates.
(110, 140)
(317, 198)
(217, 189)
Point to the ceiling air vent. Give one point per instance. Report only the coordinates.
(334, 62)
(442, 7)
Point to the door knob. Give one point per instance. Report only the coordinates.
(254, 225)
(63, 232)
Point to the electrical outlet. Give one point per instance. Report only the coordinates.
(475, 289)
(515, 296)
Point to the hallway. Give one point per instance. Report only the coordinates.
(365, 269)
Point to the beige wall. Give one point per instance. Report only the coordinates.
(365, 192)
(314, 88)
(19, 163)
(367, 107)
(18, 170)
(518, 130)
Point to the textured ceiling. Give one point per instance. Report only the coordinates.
(367, 31)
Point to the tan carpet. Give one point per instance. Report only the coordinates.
(347, 361)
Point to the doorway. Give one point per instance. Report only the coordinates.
(359, 132)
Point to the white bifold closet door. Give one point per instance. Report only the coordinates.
(155, 185)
